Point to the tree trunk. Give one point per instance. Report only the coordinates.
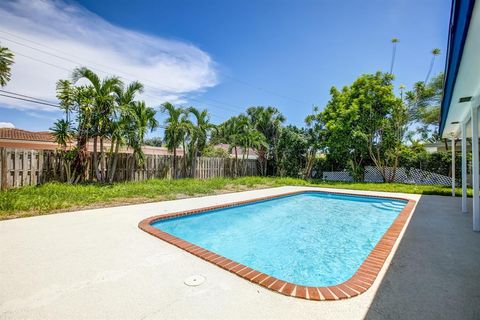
(243, 169)
(246, 162)
(395, 165)
(184, 166)
(80, 156)
(102, 161)
(263, 159)
(236, 162)
(174, 165)
(114, 161)
(110, 160)
(95, 159)
(193, 165)
(309, 166)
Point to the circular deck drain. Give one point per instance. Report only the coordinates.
(194, 280)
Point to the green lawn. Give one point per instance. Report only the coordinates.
(58, 197)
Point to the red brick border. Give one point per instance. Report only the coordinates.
(360, 282)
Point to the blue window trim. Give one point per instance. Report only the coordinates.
(461, 13)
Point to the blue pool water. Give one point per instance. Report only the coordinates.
(311, 239)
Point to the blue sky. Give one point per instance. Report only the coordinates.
(228, 55)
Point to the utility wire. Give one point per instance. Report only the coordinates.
(48, 104)
(29, 100)
(106, 72)
(23, 97)
(245, 83)
(146, 94)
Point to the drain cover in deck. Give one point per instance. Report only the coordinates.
(194, 280)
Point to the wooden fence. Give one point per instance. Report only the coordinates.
(22, 167)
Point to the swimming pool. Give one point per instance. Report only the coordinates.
(304, 241)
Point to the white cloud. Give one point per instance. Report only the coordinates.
(68, 36)
(6, 125)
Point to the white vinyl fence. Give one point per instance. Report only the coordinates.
(402, 175)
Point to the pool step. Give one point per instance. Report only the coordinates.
(387, 206)
(393, 205)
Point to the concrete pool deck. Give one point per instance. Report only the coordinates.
(97, 264)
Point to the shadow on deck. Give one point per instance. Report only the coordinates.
(435, 273)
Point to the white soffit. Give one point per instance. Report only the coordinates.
(468, 78)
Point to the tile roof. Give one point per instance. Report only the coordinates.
(18, 134)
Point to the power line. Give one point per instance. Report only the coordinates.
(245, 83)
(103, 71)
(25, 96)
(29, 100)
(146, 94)
(48, 104)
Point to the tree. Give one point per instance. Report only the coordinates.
(173, 131)
(292, 151)
(268, 121)
(315, 135)
(62, 132)
(345, 146)
(394, 51)
(365, 121)
(435, 53)
(130, 129)
(423, 103)
(250, 138)
(6, 61)
(154, 142)
(66, 96)
(104, 108)
(124, 124)
(79, 101)
(215, 152)
(200, 131)
(143, 122)
(388, 125)
(231, 132)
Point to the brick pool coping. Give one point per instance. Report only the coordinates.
(360, 282)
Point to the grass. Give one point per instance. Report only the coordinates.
(58, 197)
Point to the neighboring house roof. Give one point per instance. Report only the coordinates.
(461, 13)
(18, 134)
(44, 140)
(252, 154)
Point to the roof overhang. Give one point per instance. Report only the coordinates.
(462, 72)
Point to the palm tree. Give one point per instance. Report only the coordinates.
(251, 138)
(104, 104)
(233, 133)
(187, 131)
(200, 133)
(123, 124)
(66, 96)
(173, 128)
(268, 121)
(62, 132)
(6, 61)
(402, 88)
(144, 121)
(394, 51)
(435, 52)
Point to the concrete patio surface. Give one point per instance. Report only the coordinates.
(97, 264)
(435, 273)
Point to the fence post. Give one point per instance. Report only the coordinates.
(3, 155)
